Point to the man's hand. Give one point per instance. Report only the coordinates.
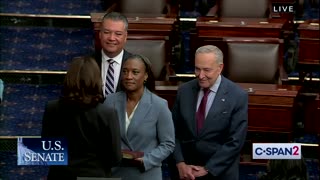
(199, 171)
(185, 171)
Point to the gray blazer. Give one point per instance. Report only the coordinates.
(218, 145)
(151, 130)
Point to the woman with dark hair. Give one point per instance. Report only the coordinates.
(146, 126)
(286, 169)
(149, 83)
(91, 129)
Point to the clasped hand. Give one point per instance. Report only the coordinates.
(190, 172)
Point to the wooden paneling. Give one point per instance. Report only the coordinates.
(309, 42)
(239, 27)
(309, 45)
(312, 114)
(211, 30)
(271, 107)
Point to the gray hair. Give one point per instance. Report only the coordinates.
(115, 16)
(211, 49)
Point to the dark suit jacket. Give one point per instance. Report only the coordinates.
(218, 145)
(98, 57)
(93, 136)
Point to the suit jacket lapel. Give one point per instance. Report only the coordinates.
(193, 121)
(218, 104)
(140, 113)
(121, 109)
(98, 57)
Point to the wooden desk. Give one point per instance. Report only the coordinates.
(208, 27)
(167, 90)
(312, 113)
(270, 106)
(210, 30)
(309, 54)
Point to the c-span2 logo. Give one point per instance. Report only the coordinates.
(42, 151)
(276, 151)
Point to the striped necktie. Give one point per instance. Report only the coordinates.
(110, 78)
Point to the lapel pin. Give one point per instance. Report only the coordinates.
(223, 100)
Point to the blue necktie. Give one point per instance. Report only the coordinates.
(110, 78)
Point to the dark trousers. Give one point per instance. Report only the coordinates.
(206, 177)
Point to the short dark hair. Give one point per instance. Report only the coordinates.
(286, 169)
(83, 82)
(150, 82)
(115, 16)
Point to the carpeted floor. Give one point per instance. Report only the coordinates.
(71, 7)
(22, 108)
(42, 48)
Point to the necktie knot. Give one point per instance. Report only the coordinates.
(110, 61)
(206, 91)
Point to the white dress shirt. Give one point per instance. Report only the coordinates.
(211, 95)
(116, 67)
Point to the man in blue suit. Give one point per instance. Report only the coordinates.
(210, 115)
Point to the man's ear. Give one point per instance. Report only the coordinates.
(146, 77)
(221, 67)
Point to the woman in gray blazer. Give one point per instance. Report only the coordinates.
(146, 125)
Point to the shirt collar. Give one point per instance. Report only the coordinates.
(215, 86)
(117, 59)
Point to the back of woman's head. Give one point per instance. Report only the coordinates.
(83, 83)
(287, 169)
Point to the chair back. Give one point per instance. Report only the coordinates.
(142, 6)
(154, 50)
(244, 8)
(254, 61)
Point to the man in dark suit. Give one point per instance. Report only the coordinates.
(210, 116)
(113, 37)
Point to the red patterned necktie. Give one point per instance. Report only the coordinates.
(201, 113)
